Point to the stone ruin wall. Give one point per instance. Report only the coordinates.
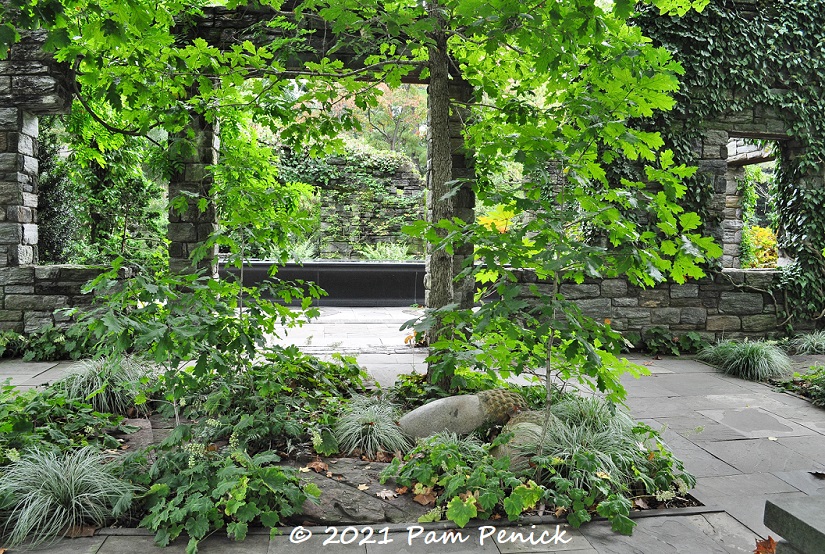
(347, 222)
(731, 304)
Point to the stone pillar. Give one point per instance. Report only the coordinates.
(732, 222)
(463, 203)
(18, 187)
(190, 227)
(713, 165)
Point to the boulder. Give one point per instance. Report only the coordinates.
(462, 414)
(459, 414)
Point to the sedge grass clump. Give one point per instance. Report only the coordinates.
(810, 343)
(369, 426)
(110, 384)
(752, 360)
(45, 494)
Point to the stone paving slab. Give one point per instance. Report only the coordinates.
(697, 460)
(756, 423)
(744, 484)
(804, 481)
(673, 365)
(85, 545)
(750, 510)
(809, 447)
(674, 535)
(697, 384)
(761, 455)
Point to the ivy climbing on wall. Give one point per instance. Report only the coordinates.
(365, 196)
(765, 55)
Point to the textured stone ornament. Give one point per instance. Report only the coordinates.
(461, 414)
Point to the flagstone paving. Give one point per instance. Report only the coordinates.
(745, 442)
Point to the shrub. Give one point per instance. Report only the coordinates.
(109, 384)
(760, 247)
(752, 360)
(811, 343)
(369, 426)
(45, 493)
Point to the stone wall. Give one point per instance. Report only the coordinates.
(353, 214)
(733, 304)
(35, 296)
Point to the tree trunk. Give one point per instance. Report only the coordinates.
(439, 173)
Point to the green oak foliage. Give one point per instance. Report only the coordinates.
(555, 83)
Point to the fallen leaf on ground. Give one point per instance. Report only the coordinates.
(385, 494)
(641, 504)
(383, 457)
(318, 466)
(402, 490)
(363, 487)
(560, 511)
(772, 439)
(76, 531)
(424, 499)
(542, 508)
(329, 474)
(304, 469)
(768, 546)
(817, 474)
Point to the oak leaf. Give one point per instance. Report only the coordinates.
(425, 499)
(318, 466)
(767, 546)
(386, 494)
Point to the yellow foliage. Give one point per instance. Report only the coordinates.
(763, 246)
(499, 218)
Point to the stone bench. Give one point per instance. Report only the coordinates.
(800, 521)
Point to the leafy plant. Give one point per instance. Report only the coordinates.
(659, 340)
(463, 480)
(12, 344)
(44, 494)
(370, 426)
(809, 343)
(34, 418)
(109, 384)
(394, 251)
(200, 490)
(810, 384)
(752, 360)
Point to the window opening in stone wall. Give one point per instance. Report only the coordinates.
(750, 220)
